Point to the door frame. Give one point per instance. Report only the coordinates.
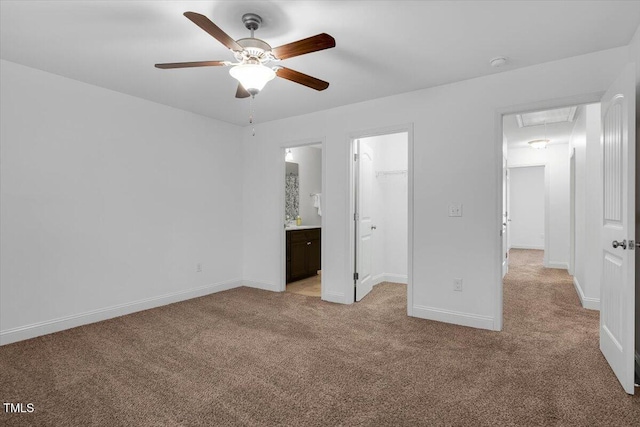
(351, 170)
(572, 209)
(499, 113)
(283, 236)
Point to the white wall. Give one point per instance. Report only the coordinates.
(390, 207)
(108, 202)
(309, 160)
(556, 160)
(456, 158)
(585, 139)
(527, 207)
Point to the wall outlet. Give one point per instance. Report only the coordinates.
(199, 267)
(455, 209)
(457, 284)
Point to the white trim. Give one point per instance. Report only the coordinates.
(557, 264)
(586, 302)
(67, 322)
(455, 317)
(261, 285)
(536, 247)
(390, 277)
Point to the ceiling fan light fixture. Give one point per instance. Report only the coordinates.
(539, 143)
(253, 77)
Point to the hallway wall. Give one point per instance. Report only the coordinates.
(585, 140)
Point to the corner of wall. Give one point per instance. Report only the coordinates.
(586, 302)
(454, 317)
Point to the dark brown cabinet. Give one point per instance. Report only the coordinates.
(303, 253)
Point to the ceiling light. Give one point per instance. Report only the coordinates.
(540, 143)
(253, 77)
(288, 157)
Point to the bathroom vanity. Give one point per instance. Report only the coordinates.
(303, 252)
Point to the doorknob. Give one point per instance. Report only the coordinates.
(373, 227)
(615, 244)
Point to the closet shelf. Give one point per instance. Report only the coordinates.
(394, 172)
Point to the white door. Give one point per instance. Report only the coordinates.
(505, 217)
(618, 227)
(364, 221)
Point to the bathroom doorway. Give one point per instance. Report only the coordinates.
(302, 207)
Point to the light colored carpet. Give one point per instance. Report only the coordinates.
(251, 357)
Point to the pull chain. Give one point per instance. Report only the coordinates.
(251, 116)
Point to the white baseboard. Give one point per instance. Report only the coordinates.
(536, 247)
(336, 297)
(55, 325)
(558, 265)
(587, 302)
(261, 285)
(390, 277)
(455, 317)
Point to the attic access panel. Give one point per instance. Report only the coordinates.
(538, 118)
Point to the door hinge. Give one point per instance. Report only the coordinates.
(355, 276)
(355, 216)
(355, 157)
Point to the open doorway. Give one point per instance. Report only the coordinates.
(601, 177)
(303, 201)
(553, 208)
(381, 199)
(527, 208)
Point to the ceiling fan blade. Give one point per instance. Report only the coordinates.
(308, 45)
(191, 64)
(211, 28)
(241, 92)
(303, 79)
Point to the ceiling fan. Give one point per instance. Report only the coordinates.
(252, 54)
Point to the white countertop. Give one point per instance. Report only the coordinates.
(301, 227)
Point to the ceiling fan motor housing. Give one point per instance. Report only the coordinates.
(251, 21)
(254, 49)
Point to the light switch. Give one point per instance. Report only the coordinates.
(455, 209)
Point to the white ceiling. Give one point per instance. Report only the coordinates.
(383, 47)
(556, 133)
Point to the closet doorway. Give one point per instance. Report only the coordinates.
(381, 211)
